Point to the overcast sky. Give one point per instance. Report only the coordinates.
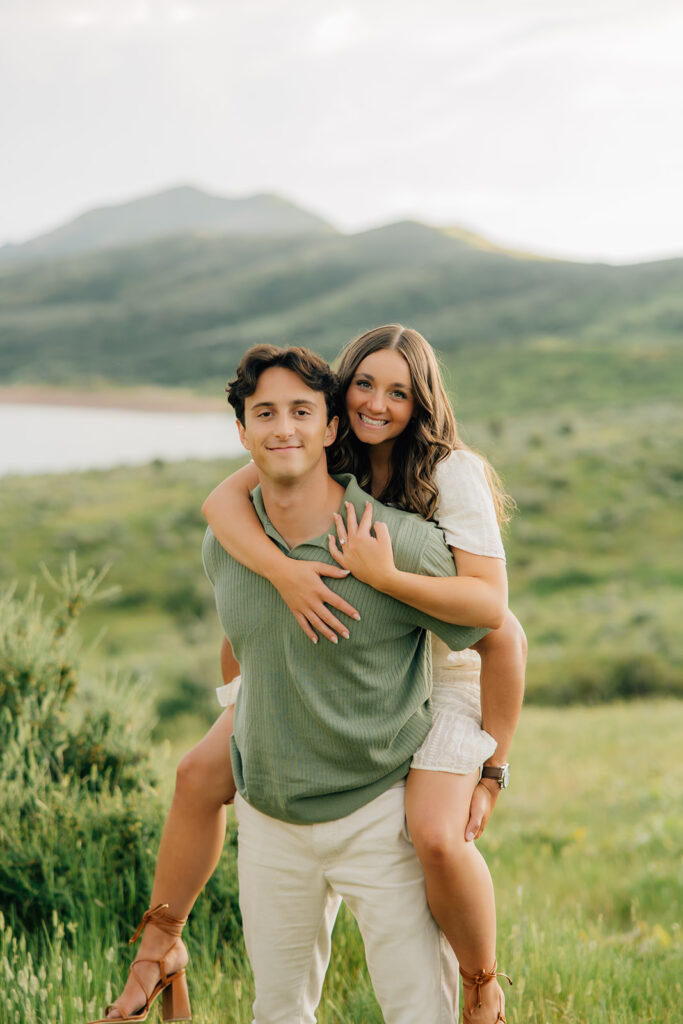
(548, 126)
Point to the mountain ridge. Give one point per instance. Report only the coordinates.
(190, 209)
(176, 210)
(177, 310)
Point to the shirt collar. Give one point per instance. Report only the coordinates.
(352, 494)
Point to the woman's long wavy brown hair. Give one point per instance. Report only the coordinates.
(429, 438)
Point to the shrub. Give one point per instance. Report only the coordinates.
(80, 812)
(626, 677)
(77, 792)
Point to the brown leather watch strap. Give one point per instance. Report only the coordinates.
(501, 774)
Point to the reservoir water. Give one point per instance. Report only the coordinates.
(57, 438)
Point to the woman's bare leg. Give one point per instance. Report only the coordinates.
(191, 845)
(459, 884)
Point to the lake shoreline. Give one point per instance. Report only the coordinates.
(108, 430)
(142, 399)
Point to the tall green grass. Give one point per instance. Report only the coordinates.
(585, 849)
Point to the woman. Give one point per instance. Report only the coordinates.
(400, 440)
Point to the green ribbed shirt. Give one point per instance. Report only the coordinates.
(322, 729)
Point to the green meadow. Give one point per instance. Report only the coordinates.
(585, 849)
(103, 685)
(595, 552)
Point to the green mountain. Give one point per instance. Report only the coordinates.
(181, 310)
(172, 212)
(567, 375)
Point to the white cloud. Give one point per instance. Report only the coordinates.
(81, 19)
(128, 14)
(335, 31)
(180, 15)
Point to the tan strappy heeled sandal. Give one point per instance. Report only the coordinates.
(175, 1004)
(473, 983)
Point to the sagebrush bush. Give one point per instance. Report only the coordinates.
(79, 806)
(69, 733)
(77, 791)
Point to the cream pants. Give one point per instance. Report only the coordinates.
(292, 879)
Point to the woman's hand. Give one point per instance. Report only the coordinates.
(481, 808)
(370, 559)
(303, 591)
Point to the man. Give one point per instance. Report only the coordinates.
(324, 735)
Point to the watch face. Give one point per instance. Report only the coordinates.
(505, 777)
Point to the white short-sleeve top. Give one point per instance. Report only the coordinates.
(465, 510)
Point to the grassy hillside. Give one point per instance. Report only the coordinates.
(568, 377)
(594, 555)
(182, 310)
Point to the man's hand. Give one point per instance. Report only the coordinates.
(481, 808)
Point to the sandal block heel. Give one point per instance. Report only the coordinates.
(175, 1000)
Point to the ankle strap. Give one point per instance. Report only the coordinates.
(162, 920)
(478, 981)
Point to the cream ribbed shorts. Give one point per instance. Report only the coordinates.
(456, 741)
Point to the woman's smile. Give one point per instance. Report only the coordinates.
(371, 421)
